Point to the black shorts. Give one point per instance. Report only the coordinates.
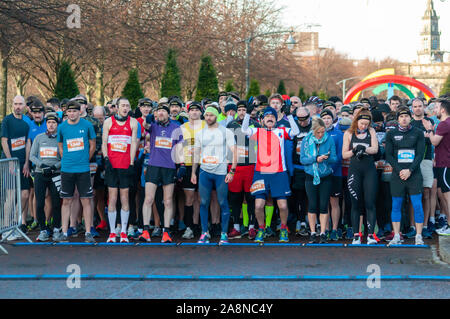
(337, 186)
(117, 178)
(186, 182)
(160, 175)
(25, 182)
(81, 180)
(299, 179)
(412, 186)
(443, 178)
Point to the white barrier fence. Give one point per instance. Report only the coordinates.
(10, 199)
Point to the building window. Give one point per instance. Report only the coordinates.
(434, 44)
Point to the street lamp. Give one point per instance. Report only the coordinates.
(343, 84)
(290, 44)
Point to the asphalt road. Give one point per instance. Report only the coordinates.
(325, 262)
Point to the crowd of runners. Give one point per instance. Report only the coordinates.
(265, 167)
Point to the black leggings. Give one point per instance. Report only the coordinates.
(41, 183)
(363, 186)
(236, 200)
(298, 204)
(318, 195)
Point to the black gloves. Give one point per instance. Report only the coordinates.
(359, 151)
(287, 107)
(181, 173)
(250, 105)
(108, 165)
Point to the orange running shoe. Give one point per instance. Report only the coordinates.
(145, 237)
(166, 238)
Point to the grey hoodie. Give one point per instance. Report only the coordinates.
(45, 151)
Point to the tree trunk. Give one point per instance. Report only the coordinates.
(99, 87)
(3, 84)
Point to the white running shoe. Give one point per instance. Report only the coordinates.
(371, 240)
(395, 241)
(356, 240)
(444, 231)
(419, 240)
(188, 233)
(112, 238)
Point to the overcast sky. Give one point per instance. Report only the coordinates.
(368, 28)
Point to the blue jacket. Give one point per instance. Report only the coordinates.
(338, 138)
(325, 168)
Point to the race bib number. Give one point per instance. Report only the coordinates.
(406, 156)
(387, 169)
(119, 143)
(75, 144)
(242, 151)
(17, 143)
(258, 186)
(93, 168)
(211, 160)
(163, 142)
(48, 152)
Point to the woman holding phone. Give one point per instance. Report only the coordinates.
(318, 151)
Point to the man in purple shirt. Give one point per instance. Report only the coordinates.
(441, 140)
(165, 149)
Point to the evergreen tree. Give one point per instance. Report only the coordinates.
(66, 86)
(132, 90)
(446, 88)
(323, 95)
(254, 89)
(301, 94)
(170, 83)
(268, 93)
(207, 84)
(281, 88)
(229, 86)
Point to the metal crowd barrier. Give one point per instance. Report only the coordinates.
(10, 199)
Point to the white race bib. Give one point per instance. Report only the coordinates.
(17, 143)
(406, 156)
(48, 152)
(75, 144)
(163, 142)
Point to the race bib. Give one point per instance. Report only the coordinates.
(379, 164)
(387, 169)
(211, 160)
(163, 142)
(93, 168)
(119, 143)
(17, 143)
(75, 144)
(406, 156)
(258, 186)
(242, 151)
(48, 152)
(298, 149)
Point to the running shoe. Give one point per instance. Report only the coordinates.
(57, 233)
(441, 222)
(419, 240)
(252, 233)
(223, 238)
(94, 233)
(380, 233)
(372, 239)
(298, 225)
(444, 231)
(314, 238)
(278, 227)
(166, 238)
(72, 232)
(34, 225)
(260, 236)
(181, 226)
(349, 235)
(136, 235)
(88, 238)
(102, 226)
(339, 233)
(269, 232)
(334, 235)
(244, 231)
(390, 237)
(204, 238)
(130, 231)
(303, 230)
(427, 233)
(157, 232)
(357, 239)
(284, 236)
(124, 238)
(411, 233)
(43, 236)
(112, 238)
(234, 234)
(145, 237)
(323, 238)
(431, 226)
(188, 233)
(395, 241)
(61, 239)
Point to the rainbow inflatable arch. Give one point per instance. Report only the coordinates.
(384, 77)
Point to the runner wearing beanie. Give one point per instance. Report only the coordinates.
(271, 175)
(212, 147)
(405, 148)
